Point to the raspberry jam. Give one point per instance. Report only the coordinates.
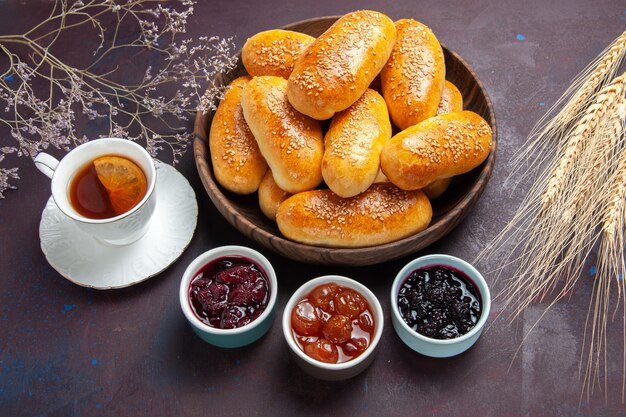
(333, 324)
(439, 302)
(229, 292)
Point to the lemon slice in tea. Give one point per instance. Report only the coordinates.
(124, 181)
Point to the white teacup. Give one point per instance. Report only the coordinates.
(119, 230)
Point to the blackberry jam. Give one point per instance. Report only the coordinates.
(439, 302)
(229, 292)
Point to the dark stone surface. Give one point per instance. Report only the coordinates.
(70, 351)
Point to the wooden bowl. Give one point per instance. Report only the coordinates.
(449, 210)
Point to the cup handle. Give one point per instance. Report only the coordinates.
(46, 163)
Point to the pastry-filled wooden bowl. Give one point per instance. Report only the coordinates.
(449, 210)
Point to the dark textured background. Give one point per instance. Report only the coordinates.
(70, 351)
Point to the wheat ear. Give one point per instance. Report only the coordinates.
(548, 247)
(576, 200)
(599, 161)
(555, 246)
(606, 101)
(547, 135)
(610, 270)
(614, 211)
(610, 263)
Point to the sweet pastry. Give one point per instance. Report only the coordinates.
(274, 52)
(291, 143)
(353, 143)
(340, 64)
(237, 162)
(413, 77)
(439, 147)
(381, 214)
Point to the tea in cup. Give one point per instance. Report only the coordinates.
(107, 186)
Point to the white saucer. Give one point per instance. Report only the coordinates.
(85, 261)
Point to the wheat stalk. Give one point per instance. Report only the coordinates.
(614, 212)
(547, 136)
(554, 247)
(575, 203)
(599, 160)
(605, 68)
(541, 213)
(610, 268)
(606, 101)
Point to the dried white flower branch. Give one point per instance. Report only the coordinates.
(44, 99)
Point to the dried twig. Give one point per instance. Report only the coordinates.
(153, 109)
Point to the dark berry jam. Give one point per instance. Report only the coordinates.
(229, 292)
(333, 324)
(439, 302)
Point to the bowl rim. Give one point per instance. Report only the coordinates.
(453, 262)
(219, 252)
(342, 281)
(360, 256)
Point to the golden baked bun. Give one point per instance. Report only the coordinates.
(270, 196)
(451, 99)
(353, 143)
(291, 143)
(435, 189)
(439, 147)
(381, 214)
(274, 52)
(380, 177)
(341, 63)
(413, 78)
(237, 162)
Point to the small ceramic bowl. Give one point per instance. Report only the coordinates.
(229, 338)
(333, 371)
(435, 347)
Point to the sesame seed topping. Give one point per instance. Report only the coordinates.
(240, 143)
(277, 51)
(353, 131)
(418, 60)
(378, 203)
(457, 138)
(330, 62)
(292, 129)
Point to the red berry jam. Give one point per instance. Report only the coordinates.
(439, 302)
(333, 324)
(229, 292)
